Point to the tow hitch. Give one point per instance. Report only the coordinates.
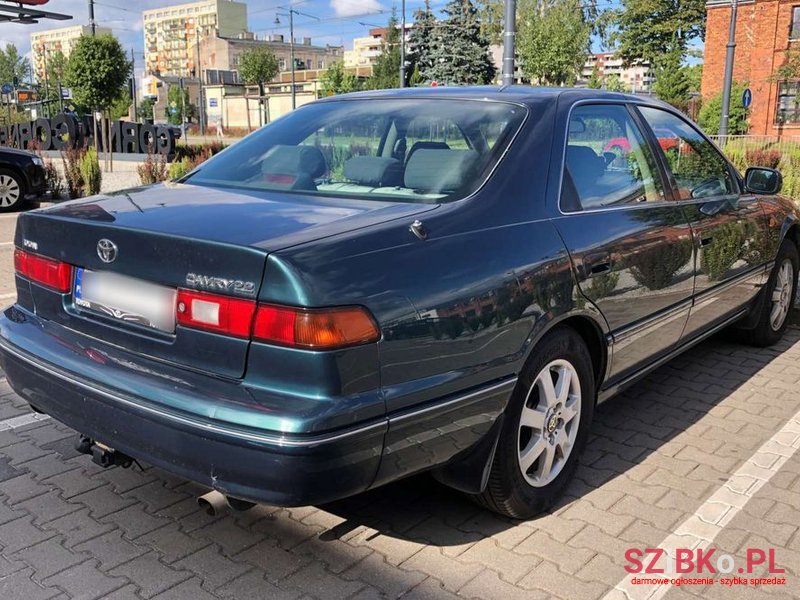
(103, 455)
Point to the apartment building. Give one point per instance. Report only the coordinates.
(63, 39)
(637, 77)
(366, 49)
(767, 37)
(220, 55)
(172, 34)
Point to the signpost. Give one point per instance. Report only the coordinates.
(747, 98)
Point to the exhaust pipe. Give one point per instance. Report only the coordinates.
(213, 502)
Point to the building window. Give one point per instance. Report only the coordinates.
(788, 111)
(794, 32)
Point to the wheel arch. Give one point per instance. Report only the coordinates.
(589, 327)
(19, 172)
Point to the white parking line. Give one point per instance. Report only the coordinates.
(22, 420)
(699, 530)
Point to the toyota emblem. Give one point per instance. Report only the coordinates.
(106, 250)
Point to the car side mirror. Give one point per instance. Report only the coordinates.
(763, 180)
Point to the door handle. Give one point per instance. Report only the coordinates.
(706, 241)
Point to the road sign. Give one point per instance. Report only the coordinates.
(66, 93)
(7, 88)
(747, 98)
(212, 102)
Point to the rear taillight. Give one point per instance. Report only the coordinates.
(319, 329)
(221, 314)
(55, 274)
(316, 329)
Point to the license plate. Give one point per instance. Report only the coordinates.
(126, 298)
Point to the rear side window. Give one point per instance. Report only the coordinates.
(699, 169)
(607, 161)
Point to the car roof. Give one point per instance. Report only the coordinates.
(513, 93)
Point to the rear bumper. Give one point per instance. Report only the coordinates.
(245, 462)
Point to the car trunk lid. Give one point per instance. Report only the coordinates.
(169, 237)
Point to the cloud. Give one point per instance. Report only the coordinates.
(349, 8)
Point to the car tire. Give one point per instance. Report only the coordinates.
(12, 190)
(538, 432)
(779, 295)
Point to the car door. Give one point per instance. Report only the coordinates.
(631, 247)
(729, 226)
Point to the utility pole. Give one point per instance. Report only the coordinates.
(46, 83)
(91, 18)
(730, 51)
(201, 113)
(509, 41)
(403, 44)
(133, 86)
(290, 12)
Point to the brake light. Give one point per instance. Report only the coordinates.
(319, 329)
(221, 314)
(54, 274)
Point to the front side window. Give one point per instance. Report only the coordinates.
(700, 171)
(788, 109)
(607, 161)
(410, 150)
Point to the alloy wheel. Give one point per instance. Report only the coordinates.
(549, 423)
(9, 191)
(782, 294)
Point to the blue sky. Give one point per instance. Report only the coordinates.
(339, 21)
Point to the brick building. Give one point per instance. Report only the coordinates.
(765, 30)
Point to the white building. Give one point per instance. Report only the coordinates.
(63, 39)
(638, 77)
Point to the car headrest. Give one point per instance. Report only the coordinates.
(375, 171)
(425, 145)
(294, 160)
(583, 162)
(437, 170)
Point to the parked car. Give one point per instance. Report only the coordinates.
(666, 139)
(21, 178)
(391, 282)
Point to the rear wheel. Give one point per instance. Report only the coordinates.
(779, 298)
(12, 190)
(546, 425)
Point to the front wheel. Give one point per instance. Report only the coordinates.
(778, 300)
(546, 425)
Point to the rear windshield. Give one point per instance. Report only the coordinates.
(412, 150)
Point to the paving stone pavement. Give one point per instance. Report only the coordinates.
(69, 529)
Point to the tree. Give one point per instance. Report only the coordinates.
(614, 83)
(258, 65)
(144, 110)
(459, 53)
(420, 40)
(672, 83)
(178, 109)
(338, 80)
(490, 14)
(12, 64)
(386, 69)
(55, 69)
(97, 71)
(553, 40)
(595, 81)
(652, 29)
(711, 113)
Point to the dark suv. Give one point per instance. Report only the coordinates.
(21, 178)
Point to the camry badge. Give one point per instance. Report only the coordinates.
(107, 250)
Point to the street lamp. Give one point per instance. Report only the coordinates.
(290, 12)
(730, 51)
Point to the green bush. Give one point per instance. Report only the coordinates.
(90, 172)
(711, 112)
(179, 168)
